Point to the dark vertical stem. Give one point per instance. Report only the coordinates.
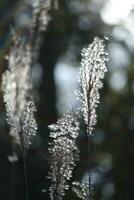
(24, 162)
(12, 193)
(89, 138)
(90, 158)
(25, 173)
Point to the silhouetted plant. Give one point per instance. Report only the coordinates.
(16, 81)
(92, 70)
(20, 108)
(17, 96)
(64, 154)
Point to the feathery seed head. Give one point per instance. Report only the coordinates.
(63, 154)
(92, 71)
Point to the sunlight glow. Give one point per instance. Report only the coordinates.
(115, 11)
(66, 82)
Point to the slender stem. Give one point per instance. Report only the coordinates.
(90, 158)
(25, 173)
(89, 138)
(24, 162)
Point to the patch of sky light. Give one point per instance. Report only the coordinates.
(96, 176)
(99, 137)
(37, 73)
(95, 6)
(119, 57)
(92, 6)
(115, 12)
(22, 17)
(84, 22)
(125, 32)
(120, 15)
(108, 190)
(66, 82)
(36, 76)
(77, 6)
(106, 163)
(118, 81)
(119, 33)
(129, 27)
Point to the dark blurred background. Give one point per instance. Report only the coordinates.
(72, 27)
